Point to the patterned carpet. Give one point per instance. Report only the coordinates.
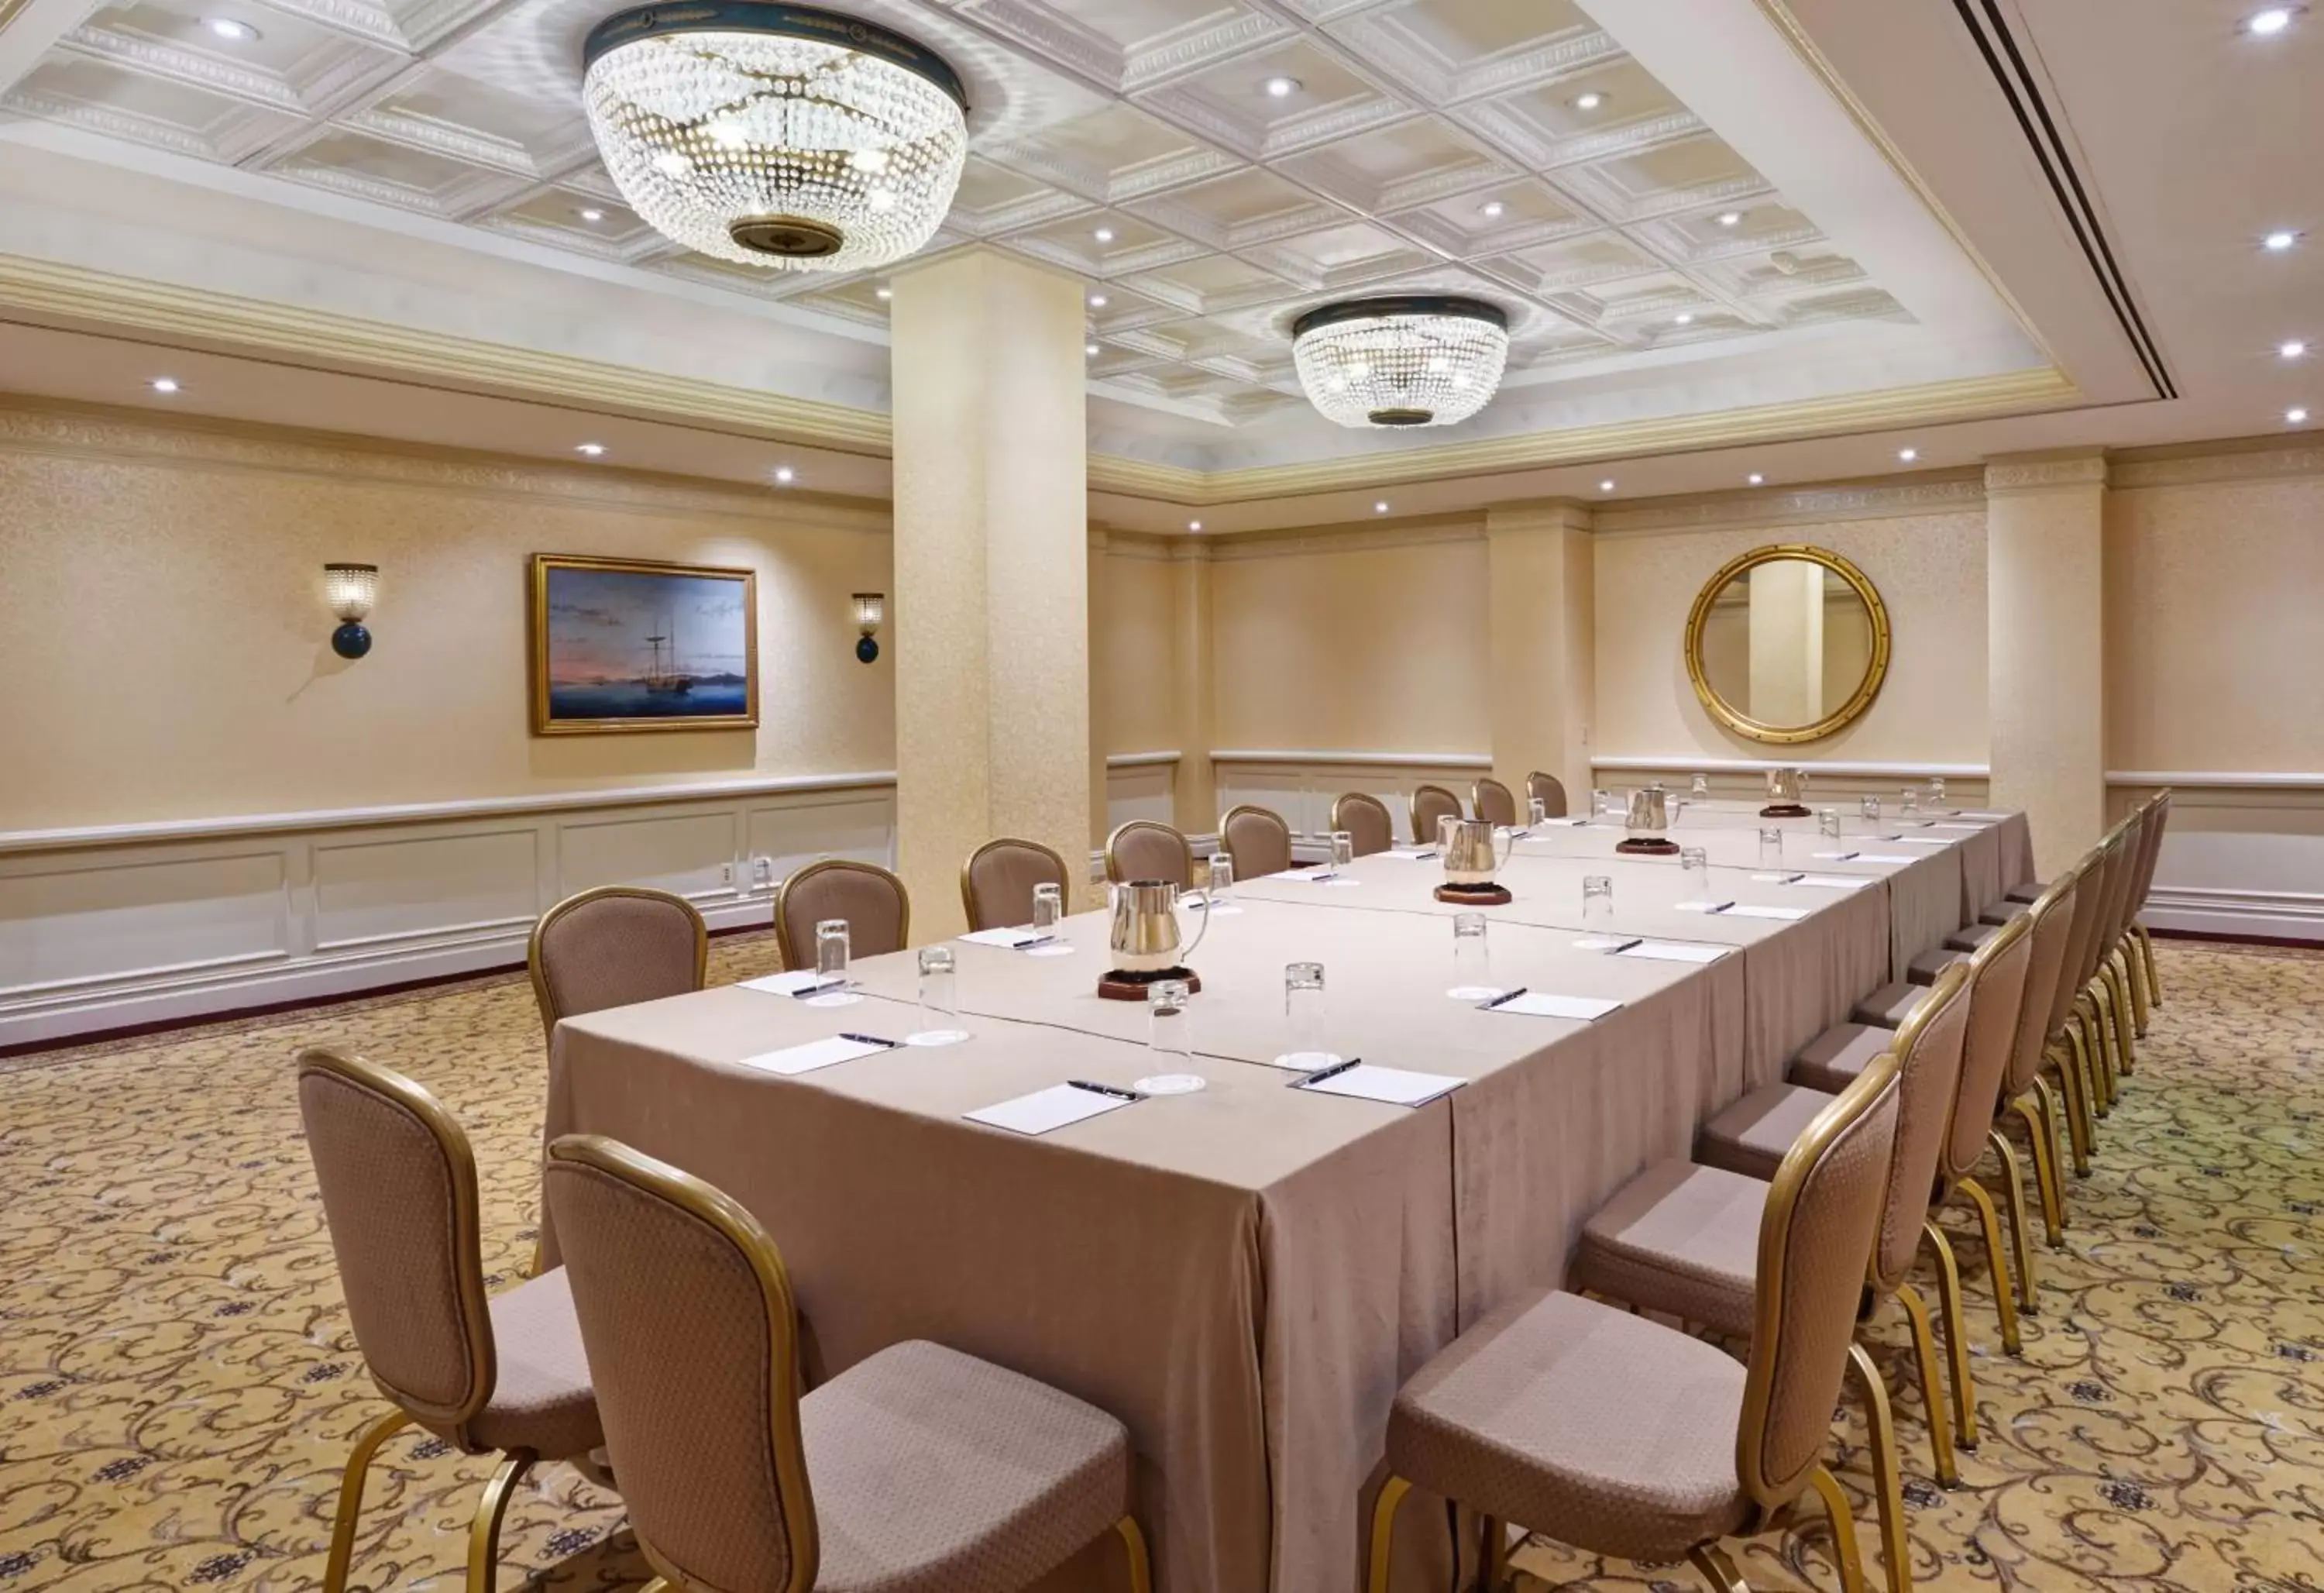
(178, 1384)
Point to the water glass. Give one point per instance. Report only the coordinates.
(1170, 1025)
(1537, 812)
(1936, 790)
(1049, 907)
(1444, 823)
(1700, 787)
(1343, 849)
(1602, 803)
(1908, 803)
(1828, 823)
(939, 999)
(1694, 873)
(1303, 1015)
(1472, 971)
(1870, 808)
(1597, 900)
(1221, 881)
(831, 948)
(1771, 846)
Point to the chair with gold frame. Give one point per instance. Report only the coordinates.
(1146, 848)
(2025, 1093)
(1430, 803)
(734, 1477)
(996, 882)
(1258, 839)
(874, 903)
(612, 946)
(1549, 790)
(1620, 1436)
(1493, 803)
(503, 1374)
(1366, 819)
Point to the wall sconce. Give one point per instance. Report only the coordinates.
(871, 608)
(351, 589)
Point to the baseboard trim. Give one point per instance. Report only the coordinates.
(2265, 918)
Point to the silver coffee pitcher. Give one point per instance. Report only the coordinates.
(1146, 926)
(1471, 856)
(1649, 812)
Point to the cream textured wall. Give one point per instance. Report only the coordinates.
(1135, 651)
(166, 648)
(1358, 646)
(1930, 571)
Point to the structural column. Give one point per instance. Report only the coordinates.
(1195, 798)
(1542, 613)
(1101, 735)
(2045, 606)
(992, 710)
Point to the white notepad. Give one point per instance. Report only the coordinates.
(1835, 881)
(1011, 938)
(1399, 1087)
(1049, 1108)
(1749, 910)
(1541, 1003)
(1968, 827)
(794, 1060)
(1918, 840)
(1409, 854)
(1986, 814)
(1671, 951)
(799, 983)
(1316, 875)
(1778, 879)
(1887, 857)
(1702, 906)
(1568, 823)
(1834, 856)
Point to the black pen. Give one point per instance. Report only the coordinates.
(1504, 996)
(1321, 1074)
(874, 1040)
(1125, 1095)
(1030, 942)
(1625, 945)
(817, 988)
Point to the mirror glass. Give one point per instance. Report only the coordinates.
(1787, 647)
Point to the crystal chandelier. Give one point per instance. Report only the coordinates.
(776, 135)
(1410, 359)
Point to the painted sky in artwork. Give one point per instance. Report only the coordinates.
(599, 620)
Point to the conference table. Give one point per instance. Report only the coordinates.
(1245, 1274)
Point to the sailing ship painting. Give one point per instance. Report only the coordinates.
(620, 644)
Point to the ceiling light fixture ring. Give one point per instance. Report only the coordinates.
(1401, 359)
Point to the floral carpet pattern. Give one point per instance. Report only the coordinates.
(179, 1385)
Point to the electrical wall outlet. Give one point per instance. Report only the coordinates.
(762, 871)
(726, 875)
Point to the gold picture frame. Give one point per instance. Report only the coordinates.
(624, 645)
(1735, 719)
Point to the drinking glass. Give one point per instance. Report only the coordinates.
(1601, 803)
(1221, 881)
(1170, 1025)
(1444, 823)
(1597, 900)
(1049, 907)
(1472, 971)
(1936, 790)
(1828, 823)
(1771, 846)
(1700, 787)
(1870, 808)
(1908, 803)
(1694, 873)
(1303, 1015)
(939, 999)
(1537, 812)
(831, 948)
(1343, 849)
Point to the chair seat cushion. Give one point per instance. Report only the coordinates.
(1832, 1060)
(935, 1470)
(1602, 1430)
(542, 1399)
(2001, 913)
(1927, 968)
(1973, 936)
(2031, 891)
(1679, 1238)
(1888, 1006)
(1751, 1136)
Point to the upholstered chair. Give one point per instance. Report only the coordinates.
(2070, 1030)
(996, 882)
(1549, 790)
(612, 946)
(1620, 1436)
(1492, 801)
(874, 901)
(1256, 838)
(917, 1470)
(2159, 811)
(1681, 1238)
(1145, 850)
(1366, 819)
(1430, 803)
(2025, 1091)
(504, 1375)
(2111, 977)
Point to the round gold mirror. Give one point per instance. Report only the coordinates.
(1787, 644)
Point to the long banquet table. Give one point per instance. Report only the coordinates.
(1245, 1275)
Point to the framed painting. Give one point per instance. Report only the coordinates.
(623, 644)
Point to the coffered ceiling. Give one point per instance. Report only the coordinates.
(1211, 168)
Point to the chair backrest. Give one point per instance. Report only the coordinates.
(2112, 888)
(1997, 996)
(874, 901)
(1928, 1076)
(2052, 919)
(1366, 819)
(2089, 896)
(1256, 838)
(399, 1183)
(2158, 814)
(1430, 803)
(1815, 1239)
(1547, 790)
(692, 1336)
(1144, 849)
(996, 882)
(1492, 801)
(2131, 846)
(614, 946)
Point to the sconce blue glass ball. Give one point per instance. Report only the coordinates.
(866, 649)
(351, 641)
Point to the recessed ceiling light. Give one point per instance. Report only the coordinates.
(1607, 484)
(1090, 350)
(1282, 87)
(2280, 241)
(226, 27)
(1493, 208)
(1730, 218)
(592, 449)
(593, 215)
(783, 474)
(163, 383)
(1683, 317)
(883, 294)
(1097, 301)
(1381, 507)
(2298, 417)
(2294, 349)
(1908, 454)
(1589, 101)
(2273, 20)
(1756, 478)
(1193, 525)
(1104, 235)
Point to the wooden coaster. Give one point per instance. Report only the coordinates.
(1643, 845)
(1475, 895)
(1118, 985)
(1783, 810)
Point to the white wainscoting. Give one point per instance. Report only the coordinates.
(1748, 777)
(2244, 853)
(1140, 785)
(1302, 785)
(118, 925)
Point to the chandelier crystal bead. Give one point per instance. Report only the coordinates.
(1405, 360)
(776, 135)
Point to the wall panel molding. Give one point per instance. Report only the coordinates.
(1933, 494)
(2203, 466)
(2244, 853)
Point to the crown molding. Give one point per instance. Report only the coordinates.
(2011, 474)
(1949, 491)
(2203, 464)
(1354, 539)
